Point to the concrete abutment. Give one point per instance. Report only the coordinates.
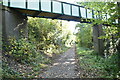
(98, 43)
(12, 23)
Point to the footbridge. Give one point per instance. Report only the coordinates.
(14, 16)
(55, 10)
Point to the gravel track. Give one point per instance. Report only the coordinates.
(63, 67)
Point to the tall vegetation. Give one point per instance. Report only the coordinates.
(45, 34)
(45, 38)
(111, 32)
(84, 35)
(111, 35)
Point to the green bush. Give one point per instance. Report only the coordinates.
(84, 35)
(104, 67)
(44, 39)
(47, 35)
(22, 50)
(8, 72)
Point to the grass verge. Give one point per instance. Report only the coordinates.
(93, 66)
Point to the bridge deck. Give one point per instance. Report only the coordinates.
(54, 9)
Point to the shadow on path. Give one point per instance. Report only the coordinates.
(63, 67)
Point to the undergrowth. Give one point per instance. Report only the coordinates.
(21, 59)
(98, 66)
(22, 53)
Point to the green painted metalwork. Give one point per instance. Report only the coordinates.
(64, 9)
(26, 4)
(40, 5)
(79, 12)
(51, 6)
(71, 9)
(8, 2)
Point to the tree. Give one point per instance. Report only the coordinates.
(84, 35)
(110, 32)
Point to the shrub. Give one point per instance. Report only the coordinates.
(22, 50)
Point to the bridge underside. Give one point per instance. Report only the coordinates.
(55, 9)
(43, 14)
(52, 9)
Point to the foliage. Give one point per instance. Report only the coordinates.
(104, 7)
(84, 35)
(111, 33)
(8, 72)
(24, 53)
(46, 34)
(0, 41)
(1, 71)
(110, 40)
(21, 50)
(97, 66)
(35, 50)
(103, 67)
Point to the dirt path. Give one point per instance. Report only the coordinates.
(64, 66)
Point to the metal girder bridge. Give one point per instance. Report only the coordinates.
(54, 9)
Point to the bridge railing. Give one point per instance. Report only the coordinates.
(58, 7)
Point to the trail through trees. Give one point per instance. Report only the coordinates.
(64, 66)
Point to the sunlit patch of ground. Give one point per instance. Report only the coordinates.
(63, 67)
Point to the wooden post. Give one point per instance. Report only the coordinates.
(98, 43)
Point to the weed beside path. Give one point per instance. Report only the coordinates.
(92, 66)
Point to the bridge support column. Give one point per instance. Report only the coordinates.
(98, 43)
(12, 23)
